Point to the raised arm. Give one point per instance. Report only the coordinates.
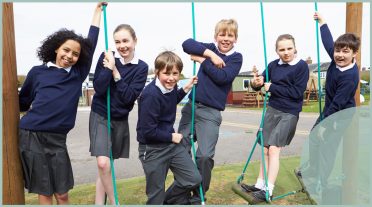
(91, 40)
(327, 38)
(97, 14)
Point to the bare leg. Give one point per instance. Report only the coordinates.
(260, 175)
(62, 199)
(274, 153)
(100, 192)
(45, 200)
(104, 173)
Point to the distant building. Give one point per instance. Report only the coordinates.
(323, 69)
(240, 86)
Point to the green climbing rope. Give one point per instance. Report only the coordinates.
(109, 116)
(193, 106)
(318, 58)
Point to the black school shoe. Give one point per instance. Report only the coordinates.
(249, 188)
(298, 172)
(259, 197)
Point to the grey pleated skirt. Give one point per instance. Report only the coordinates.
(279, 128)
(100, 144)
(45, 162)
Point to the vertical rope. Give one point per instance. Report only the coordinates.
(193, 107)
(264, 106)
(260, 135)
(109, 116)
(318, 59)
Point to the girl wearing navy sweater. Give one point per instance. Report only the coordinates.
(159, 148)
(288, 76)
(219, 65)
(50, 96)
(126, 75)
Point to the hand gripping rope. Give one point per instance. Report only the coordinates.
(109, 116)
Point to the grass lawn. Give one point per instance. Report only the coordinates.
(132, 191)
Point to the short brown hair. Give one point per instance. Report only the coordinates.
(167, 60)
(226, 25)
(348, 40)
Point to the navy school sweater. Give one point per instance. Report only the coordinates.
(340, 86)
(54, 95)
(123, 93)
(214, 84)
(288, 84)
(156, 114)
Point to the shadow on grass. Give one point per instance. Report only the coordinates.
(132, 191)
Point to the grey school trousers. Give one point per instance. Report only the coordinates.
(206, 129)
(156, 160)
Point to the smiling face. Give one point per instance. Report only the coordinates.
(169, 78)
(168, 67)
(346, 49)
(344, 56)
(125, 44)
(68, 54)
(226, 34)
(286, 50)
(225, 41)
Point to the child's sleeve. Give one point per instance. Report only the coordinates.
(345, 91)
(296, 90)
(269, 68)
(193, 47)
(27, 93)
(180, 94)
(327, 40)
(149, 111)
(92, 38)
(225, 75)
(102, 77)
(129, 92)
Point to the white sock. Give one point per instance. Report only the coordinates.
(271, 188)
(260, 184)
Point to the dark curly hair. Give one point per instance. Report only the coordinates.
(46, 52)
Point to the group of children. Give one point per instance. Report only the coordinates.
(51, 92)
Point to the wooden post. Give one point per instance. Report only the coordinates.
(13, 191)
(354, 13)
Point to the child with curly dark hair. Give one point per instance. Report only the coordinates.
(50, 96)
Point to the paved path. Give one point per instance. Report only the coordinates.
(237, 135)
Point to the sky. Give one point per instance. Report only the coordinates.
(164, 26)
